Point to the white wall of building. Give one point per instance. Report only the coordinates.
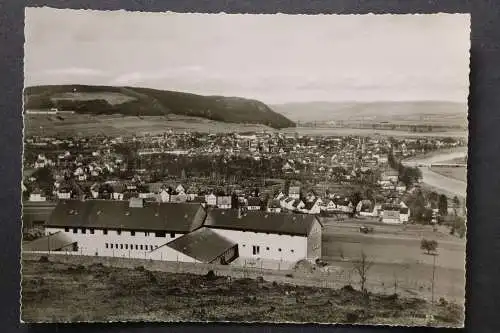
(118, 245)
(293, 248)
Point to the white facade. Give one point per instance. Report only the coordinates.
(164, 196)
(211, 199)
(117, 196)
(37, 197)
(64, 195)
(253, 245)
(114, 243)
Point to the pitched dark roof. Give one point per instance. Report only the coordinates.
(260, 221)
(275, 203)
(204, 245)
(253, 201)
(179, 217)
(309, 205)
(391, 207)
(54, 242)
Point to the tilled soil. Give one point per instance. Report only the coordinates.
(57, 292)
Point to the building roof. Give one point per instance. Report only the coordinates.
(253, 201)
(260, 221)
(275, 203)
(390, 207)
(178, 217)
(53, 242)
(294, 190)
(310, 204)
(204, 245)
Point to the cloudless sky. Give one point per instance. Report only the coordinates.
(274, 58)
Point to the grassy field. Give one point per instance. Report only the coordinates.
(56, 292)
(459, 173)
(88, 125)
(334, 131)
(115, 125)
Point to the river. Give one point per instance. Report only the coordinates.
(435, 180)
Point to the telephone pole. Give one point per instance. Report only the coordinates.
(433, 276)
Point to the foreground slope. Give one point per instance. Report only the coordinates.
(133, 101)
(57, 292)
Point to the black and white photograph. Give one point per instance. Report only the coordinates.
(190, 167)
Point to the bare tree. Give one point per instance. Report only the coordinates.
(361, 267)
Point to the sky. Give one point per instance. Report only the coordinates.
(274, 58)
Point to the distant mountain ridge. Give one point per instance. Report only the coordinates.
(133, 101)
(383, 111)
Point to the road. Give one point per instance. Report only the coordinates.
(435, 180)
(395, 251)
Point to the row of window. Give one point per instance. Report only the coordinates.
(130, 246)
(256, 249)
(119, 232)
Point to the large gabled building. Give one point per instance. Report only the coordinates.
(179, 232)
(123, 228)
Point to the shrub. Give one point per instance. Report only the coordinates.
(429, 245)
(210, 275)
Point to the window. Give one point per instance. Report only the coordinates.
(267, 248)
(255, 250)
(104, 231)
(141, 247)
(66, 229)
(75, 230)
(160, 234)
(111, 245)
(116, 246)
(132, 233)
(91, 230)
(84, 231)
(279, 250)
(119, 232)
(136, 247)
(131, 246)
(156, 246)
(292, 251)
(107, 245)
(172, 235)
(126, 246)
(146, 234)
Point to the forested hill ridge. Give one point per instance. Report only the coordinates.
(133, 101)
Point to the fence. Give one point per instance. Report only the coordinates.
(330, 277)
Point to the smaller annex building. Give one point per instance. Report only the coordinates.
(275, 236)
(178, 232)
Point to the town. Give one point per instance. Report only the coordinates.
(265, 181)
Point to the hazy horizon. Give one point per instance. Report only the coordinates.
(277, 59)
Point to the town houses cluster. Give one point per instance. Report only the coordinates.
(236, 195)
